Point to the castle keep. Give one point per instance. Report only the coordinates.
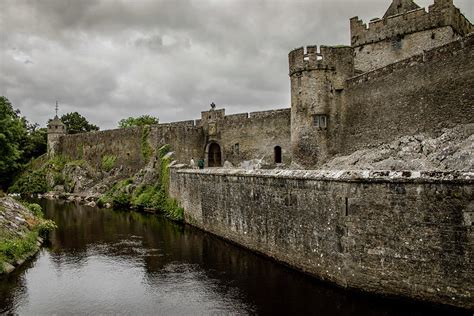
(402, 232)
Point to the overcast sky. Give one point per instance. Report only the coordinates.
(110, 59)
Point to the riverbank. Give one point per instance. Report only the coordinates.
(22, 229)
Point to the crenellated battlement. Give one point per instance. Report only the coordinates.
(328, 58)
(441, 13)
(432, 55)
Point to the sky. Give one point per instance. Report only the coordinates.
(111, 59)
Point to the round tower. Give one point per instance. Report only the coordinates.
(56, 129)
(317, 86)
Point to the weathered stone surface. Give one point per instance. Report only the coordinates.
(15, 219)
(399, 36)
(451, 149)
(391, 232)
(404, 99)
(8, 268)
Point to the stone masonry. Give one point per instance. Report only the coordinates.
(399, 232)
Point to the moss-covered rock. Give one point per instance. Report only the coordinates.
(22, 227)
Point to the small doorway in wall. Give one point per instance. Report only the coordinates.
(277, 152)
(214, 155)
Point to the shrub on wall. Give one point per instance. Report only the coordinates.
(154, 197)
(145, 145)
(108, 162)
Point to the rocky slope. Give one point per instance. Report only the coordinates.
(20, 232)
(452, 149)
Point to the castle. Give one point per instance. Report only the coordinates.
(401, 232)
(408, 72)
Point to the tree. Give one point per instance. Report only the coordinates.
(138, 121)
(35, 144)
(13, 132)
(76, 123)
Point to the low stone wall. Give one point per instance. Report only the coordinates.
(393, 233)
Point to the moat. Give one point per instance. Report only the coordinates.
(120, 262)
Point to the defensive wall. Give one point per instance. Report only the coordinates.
(133, 147)
(251, 136)
(393, 233)
(393, 38)
(425, 93)
(241, 136)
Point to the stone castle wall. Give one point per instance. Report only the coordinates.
(388, 40)
(241, 137)
(130, 145)
(425, 93)
(317, 81)
(254, 136)
(382, 53)
(407, 234)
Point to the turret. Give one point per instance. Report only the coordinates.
(56, 129)
(317, 85)
(404, 31)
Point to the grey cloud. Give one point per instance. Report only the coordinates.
(110, 59)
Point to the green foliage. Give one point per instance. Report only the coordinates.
(14, 249)
(119, 195)
(45, 226)
(138, 121)
(76, 123)
(80, 151)
(35, 143)
(34, 181)
(108, 162)
(145, 146)
(58, 179)
(163, 150)
(56, 163)
(12, 133)
(30, 182)
(153, 197)
(20, 142)
(35, 209)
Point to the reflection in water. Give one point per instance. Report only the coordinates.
(103, 261)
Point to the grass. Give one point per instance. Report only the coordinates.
(16, 248)
(12, 250)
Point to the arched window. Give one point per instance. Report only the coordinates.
(277, 151)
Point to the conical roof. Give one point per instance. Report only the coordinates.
(400, 6)
(56, 121)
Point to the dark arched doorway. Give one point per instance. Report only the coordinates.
(214, 155)
(277, 150)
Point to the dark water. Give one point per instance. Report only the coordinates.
(113, 262)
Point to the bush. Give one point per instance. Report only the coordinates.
(58, 179)
(35, 209)
(31, 182)
(11, 250)
(45, 227)
(108, 162)
(118, 195)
